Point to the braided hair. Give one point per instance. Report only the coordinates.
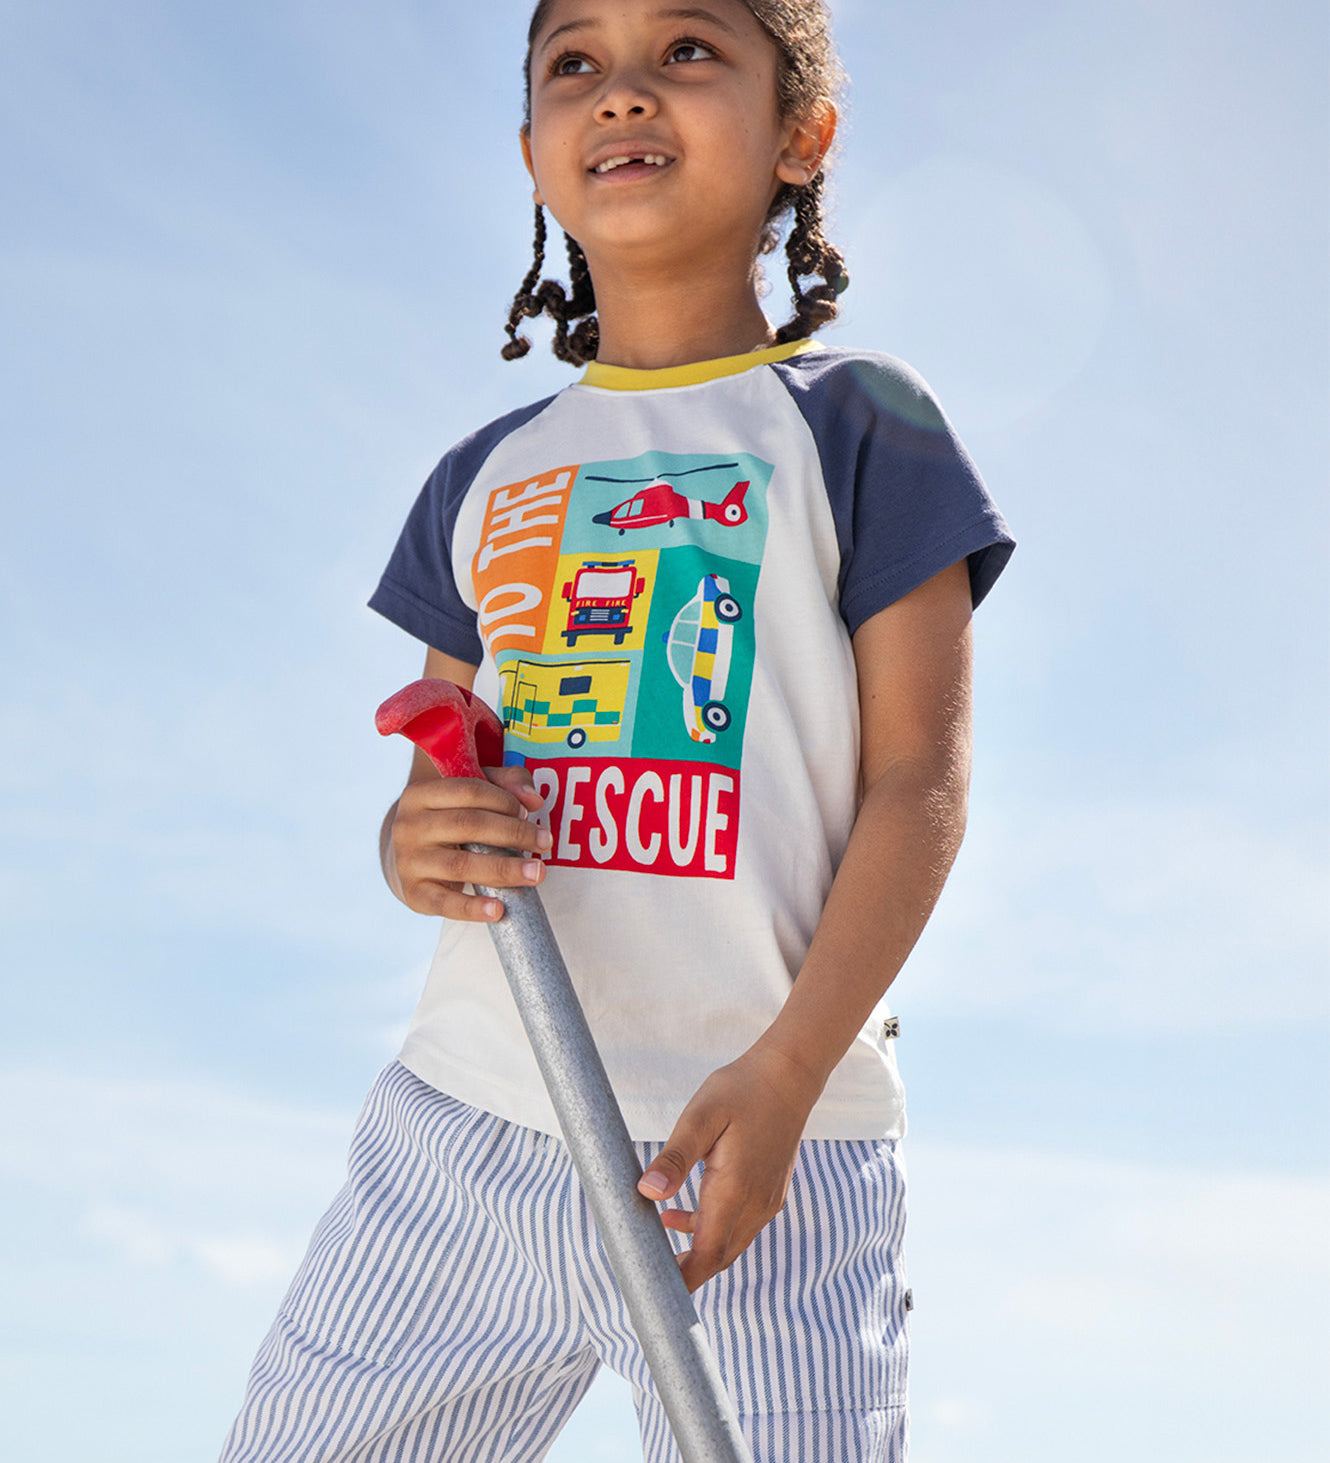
(811, 253)
(808, 80)
(550, 298)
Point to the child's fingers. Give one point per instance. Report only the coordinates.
(517, 780)
(435, 820)
(454, 827)
(692, 1139)
(729, 1216)
(713, 1229)
(451, 865)
(424, 822)
(471, 792)
(454, 904)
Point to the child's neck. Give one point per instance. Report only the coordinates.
(648, 323)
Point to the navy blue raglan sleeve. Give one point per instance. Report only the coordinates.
(906, 498)
(418, 591)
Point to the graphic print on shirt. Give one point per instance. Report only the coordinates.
(616, 601)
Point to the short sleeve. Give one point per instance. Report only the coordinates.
(906, 498)
(418, 590)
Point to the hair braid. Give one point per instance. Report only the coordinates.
(549, 298)
(524, 304)
(811, 253)
(585, 339)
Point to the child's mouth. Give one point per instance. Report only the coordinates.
(632, 165)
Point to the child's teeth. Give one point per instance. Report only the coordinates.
(655, 159)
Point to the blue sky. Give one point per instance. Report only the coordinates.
(253, 269)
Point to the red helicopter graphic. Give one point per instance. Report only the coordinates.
(660, 503)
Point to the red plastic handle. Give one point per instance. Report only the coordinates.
(453, 727)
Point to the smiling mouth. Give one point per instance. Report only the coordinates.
(650, 159)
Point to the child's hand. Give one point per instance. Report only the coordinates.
(423, 858)
(744, 1124)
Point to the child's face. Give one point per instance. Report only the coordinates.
(688, 95)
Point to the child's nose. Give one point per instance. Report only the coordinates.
(626, 94)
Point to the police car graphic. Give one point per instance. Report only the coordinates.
(698, 646)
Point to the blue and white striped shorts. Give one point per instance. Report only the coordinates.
(455, 1304)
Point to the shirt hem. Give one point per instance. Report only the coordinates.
(647, 1121)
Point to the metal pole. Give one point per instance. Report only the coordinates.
(700, 1411)
(461, 735)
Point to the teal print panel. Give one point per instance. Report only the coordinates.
(697, 668)
(664, 500)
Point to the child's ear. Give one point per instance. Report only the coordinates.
(524, 137)
(809, 142)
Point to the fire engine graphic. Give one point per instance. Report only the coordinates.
(698, 646)
(661, 503)
(600, 600)
(563, 702)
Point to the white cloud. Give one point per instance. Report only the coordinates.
(378, 1012)
(954, 1416)
(1158, 916)
(141, 1238)
(196, 813)
(161, 1169)
(1066, 1288)
(153, 1229)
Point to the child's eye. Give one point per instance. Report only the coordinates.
(569, 64)
(689, 50)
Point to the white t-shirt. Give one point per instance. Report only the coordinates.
(658, 574)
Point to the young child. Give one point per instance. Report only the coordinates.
(719, 590)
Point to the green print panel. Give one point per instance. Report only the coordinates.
(697, 668)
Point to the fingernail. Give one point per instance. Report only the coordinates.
(531, 870)
(522, 813)
(494, 909)
(544, 839)
(654, 1184)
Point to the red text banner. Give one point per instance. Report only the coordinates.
(679, 818)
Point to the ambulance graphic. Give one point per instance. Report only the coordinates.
(698, 646)
(563, 702)
(661, 503)
(600, 600)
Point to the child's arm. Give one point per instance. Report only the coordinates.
(745, 1122)
(420, 843)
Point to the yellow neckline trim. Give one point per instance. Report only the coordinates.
(629, 378)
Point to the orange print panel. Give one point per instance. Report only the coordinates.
(517, 562)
